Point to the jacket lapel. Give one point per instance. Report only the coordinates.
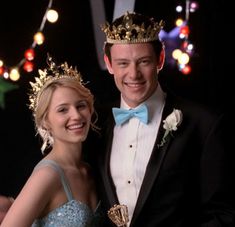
(154, 164)
(105, 169)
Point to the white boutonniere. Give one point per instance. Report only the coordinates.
(171, 123)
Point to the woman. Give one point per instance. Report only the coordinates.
(61, 190)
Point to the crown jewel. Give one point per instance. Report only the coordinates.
(128, 32)
(48, 75)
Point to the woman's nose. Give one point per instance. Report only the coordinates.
(75, 113)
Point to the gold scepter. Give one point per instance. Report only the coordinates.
(119, 215)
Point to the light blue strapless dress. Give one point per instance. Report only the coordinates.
(71, 214)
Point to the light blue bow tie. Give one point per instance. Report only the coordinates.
(123, 115)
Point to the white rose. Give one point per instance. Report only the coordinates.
(170, 124)
(173, 120)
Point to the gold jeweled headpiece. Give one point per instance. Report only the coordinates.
(125, 30)
(48, 75)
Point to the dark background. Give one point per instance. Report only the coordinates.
(71, 39)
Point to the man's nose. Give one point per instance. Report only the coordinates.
(134, 71)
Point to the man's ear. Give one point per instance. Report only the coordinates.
(108, 64)
(161, 60)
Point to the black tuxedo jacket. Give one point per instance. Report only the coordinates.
(188, 181)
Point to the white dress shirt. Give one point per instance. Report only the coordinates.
(131, 149)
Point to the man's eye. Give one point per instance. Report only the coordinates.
(122, 64)
(145, 62)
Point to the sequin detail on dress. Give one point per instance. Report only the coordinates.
(70, 214)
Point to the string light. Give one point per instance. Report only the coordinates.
(183, 54)
(52, 16)
(26, 63)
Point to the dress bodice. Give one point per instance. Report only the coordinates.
(71, 214)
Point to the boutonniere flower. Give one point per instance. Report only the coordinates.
(171, 123)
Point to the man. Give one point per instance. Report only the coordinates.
(170, 166)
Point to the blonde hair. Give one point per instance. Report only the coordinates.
(44, 100)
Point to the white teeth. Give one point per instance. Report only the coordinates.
(133, 85)
(76, 126)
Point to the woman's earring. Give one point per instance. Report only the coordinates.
(46, 137)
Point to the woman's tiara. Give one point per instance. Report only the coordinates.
(51, 73)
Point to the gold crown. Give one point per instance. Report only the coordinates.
(127, 32)
(48, 75)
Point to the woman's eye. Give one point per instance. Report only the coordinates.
(62, 110)
(82, 105)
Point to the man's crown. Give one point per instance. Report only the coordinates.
(125, 29)
(48, 75)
